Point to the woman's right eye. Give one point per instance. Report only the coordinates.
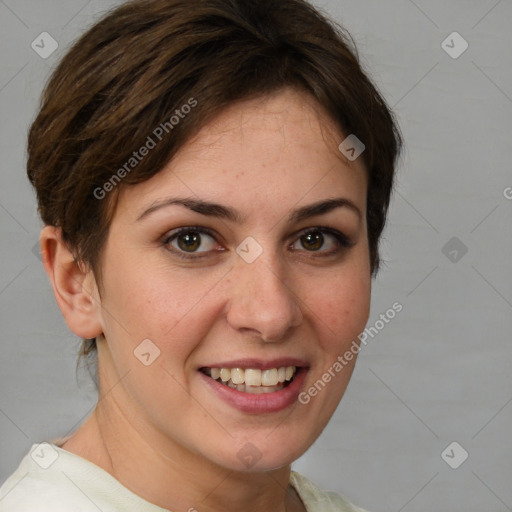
(186, 242)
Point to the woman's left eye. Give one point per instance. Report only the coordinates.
(323, 240)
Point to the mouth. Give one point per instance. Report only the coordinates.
(253, 381)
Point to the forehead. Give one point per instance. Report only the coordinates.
(277, 149)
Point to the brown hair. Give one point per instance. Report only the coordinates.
(129, 73)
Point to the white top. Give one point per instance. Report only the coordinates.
(51, 479)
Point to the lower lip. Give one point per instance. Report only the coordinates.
(261, 403)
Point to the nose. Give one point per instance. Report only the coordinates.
(261, 302)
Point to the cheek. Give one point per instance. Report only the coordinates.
(341, 310)
(171, 307)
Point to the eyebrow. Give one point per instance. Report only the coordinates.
(211, 209)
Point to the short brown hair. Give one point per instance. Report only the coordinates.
(129, 73)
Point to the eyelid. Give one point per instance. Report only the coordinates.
(343, 239)
(185, 229)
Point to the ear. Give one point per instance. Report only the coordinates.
(73, 284)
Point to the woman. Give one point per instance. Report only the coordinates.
(214, 177)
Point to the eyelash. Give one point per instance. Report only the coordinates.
(343, 241)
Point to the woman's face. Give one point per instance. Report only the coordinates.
(219, 265)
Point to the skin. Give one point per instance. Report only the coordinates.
(159, 429)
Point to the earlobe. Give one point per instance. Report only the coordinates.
(73, 284)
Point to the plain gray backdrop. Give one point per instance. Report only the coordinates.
(440, 371)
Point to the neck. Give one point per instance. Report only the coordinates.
(169, 475)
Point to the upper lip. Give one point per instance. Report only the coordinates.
(258, 364)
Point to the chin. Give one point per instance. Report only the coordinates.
(262, 452)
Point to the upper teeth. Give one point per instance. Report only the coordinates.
(253, 377)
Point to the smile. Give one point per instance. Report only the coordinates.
(253, 380)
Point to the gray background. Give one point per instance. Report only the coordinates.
(440, 371)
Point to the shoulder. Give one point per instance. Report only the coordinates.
(318, 500)
(40, 483)
(50, 479)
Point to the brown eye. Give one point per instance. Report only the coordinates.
(324, 241)
(312, 241)
(190, 242)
